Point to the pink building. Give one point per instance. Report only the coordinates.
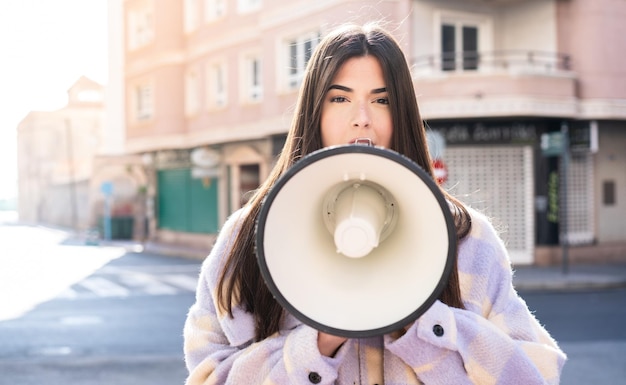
(55, 157)
(208, 87)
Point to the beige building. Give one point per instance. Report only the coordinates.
(55, 157)
(209, 87)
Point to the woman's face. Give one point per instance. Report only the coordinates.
(356, 105)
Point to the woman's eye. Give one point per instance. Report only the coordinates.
(338, 99)
(382, 100)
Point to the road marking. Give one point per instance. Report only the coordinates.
(183, 281)
(81, 320)
(103, 287)
(125, 283)
(52, 351)
(147, 283)
(68, 293)
(152, 269)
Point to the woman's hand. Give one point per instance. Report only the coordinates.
(329, 344)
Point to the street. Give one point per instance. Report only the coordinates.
(76, 314)
(589, 326)
(100, 315)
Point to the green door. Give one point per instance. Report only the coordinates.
(186, 204)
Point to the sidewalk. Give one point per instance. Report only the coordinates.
(526, 277)
(577, 277)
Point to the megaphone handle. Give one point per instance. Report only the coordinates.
(328, 344)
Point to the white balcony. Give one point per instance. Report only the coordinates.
(490, 84)
(509, 61)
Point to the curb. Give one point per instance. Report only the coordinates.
(571, 281)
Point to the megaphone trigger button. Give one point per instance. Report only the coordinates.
(438, 330)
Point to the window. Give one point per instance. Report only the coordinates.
(140, 28)
(214, 9)
(460, 38)
(465, 37)
(608, 193)
(143, 103)
(192, 92)
(191, 15)
(448, 47)
(244, 6)
(253, 87)
(216, 85)
(299, 53)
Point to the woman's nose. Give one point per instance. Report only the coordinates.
(361, 117)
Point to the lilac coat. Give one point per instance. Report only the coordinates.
(494, 340)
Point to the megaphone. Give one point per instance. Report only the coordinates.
(355, 240)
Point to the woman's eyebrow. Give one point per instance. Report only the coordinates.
(348, 89)
(340, 87)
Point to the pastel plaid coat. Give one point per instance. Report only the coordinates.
(494, 340)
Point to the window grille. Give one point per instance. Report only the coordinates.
(143, 102)
(255, 85)
(191, 21)
(215, 84)
(300, 50)
(140, 28)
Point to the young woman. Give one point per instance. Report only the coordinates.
(479, 331)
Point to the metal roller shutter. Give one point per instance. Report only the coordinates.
(497, 181)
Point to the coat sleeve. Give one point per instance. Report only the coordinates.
(219, 350)
(494, 340)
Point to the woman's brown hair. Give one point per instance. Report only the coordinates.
(241, 282)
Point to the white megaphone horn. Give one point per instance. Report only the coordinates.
(355, 240)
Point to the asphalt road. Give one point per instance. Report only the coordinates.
(590, 327)
(72, 314)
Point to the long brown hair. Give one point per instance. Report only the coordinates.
(240, 281)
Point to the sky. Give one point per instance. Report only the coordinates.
(45, 46)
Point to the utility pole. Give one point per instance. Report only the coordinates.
(70, 164)
(563, 205)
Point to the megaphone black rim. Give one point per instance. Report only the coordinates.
(355, 149)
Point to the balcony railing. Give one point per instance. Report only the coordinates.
(495, 61)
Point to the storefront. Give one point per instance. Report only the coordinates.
(186, 201)
(497, 167)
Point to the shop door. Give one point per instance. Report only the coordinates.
(186, 204)
(580, 205)
(249, 181)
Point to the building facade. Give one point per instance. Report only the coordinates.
(55, 157)
(209, 87)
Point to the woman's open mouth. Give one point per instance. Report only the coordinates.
(362, 141)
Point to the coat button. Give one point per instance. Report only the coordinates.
(438, 330)
(315, 378)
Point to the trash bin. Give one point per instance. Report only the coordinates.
(121, 227)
